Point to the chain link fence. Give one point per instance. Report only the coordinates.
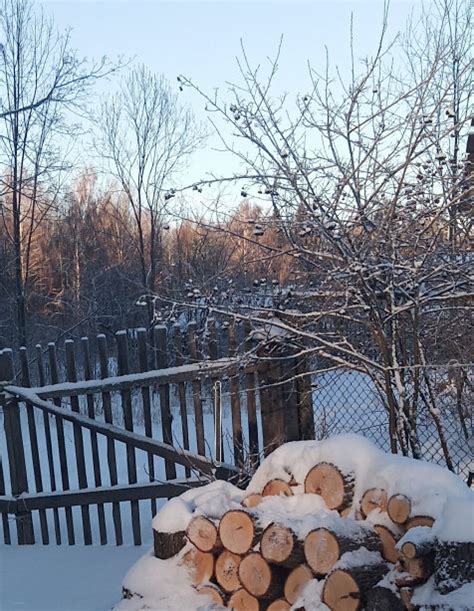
(345, 401)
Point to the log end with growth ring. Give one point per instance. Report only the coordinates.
(374, 498)
(419, 521)
(321, 550)
(241, 600)
(259, 578)
(202, 533)
(296, 581)
(213, 592)
(328, 481)
(227, 571)
(399, 508)
(279, 605)
(277, 487)
(279, 545)
(200, 566)
(388, 542)
(237, 531)
(252, 500)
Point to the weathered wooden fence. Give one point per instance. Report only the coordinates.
(74, 425)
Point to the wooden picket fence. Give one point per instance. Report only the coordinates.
(51, 483)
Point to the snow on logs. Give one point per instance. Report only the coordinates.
(370, 530)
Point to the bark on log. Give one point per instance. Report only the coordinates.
(259, 578)
(345, 589)
(202, 533)
(200, 566)
(227, 571)
(389, 543)
(213, 592)
(296, 581)
(327, 480)
(323, 547)
(252, 500)
(238, 532)
(453, 566)
(167, 545)
(279, 545)
(399, 508)
(241, 600)
(276, 487)
(374, 498)
(416, 549)
(383, 599)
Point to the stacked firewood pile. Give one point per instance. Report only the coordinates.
(369, 550)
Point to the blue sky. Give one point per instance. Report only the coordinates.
(201, 39)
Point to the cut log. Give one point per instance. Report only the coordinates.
(237, 531)
(280, 545)
(202, 533)
(421, 546)
(213, 592)
(241, 600)
(389, 543)
(279, 605)
(399, 508)
(345, 589)
(227, 571)
(419, 521)
(327, 480)
(414, 571)
(252, 500)
(200, 566)
(296, 581)
(276, 487)
(259, 578)
(323, 547)
(374, 498)
(383, 599)
(406, 594)
(167, 545)
(453, 565)
(349, 513)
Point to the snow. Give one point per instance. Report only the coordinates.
(212, 500)
(359, 557)
(457, 522)
(460, 599)
(417, 535)
(163, 586)
(310, 597)
(62, 578)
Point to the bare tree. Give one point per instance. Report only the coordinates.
(366, 181)
(41, 79)
(147, 137)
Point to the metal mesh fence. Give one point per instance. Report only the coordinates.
(345, 400)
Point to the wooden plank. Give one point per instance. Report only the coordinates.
(237, 438)
(183, 412)
(78, 440)
(123, 369)
(86, 362)
(162, 376)
(16, 452)
(116, 494)
(197, 391)
(53, 368)
(111, 456)
(49, 443)
(216, 392)
(7, 539)
(158, 448)
(30, 415)
(250, 385)
(161, 363)
(146, 404)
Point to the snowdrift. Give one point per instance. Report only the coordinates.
(335, 524)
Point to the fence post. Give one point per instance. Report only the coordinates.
(16, 451)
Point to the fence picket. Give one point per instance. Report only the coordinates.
(216, 391)
(71, 374)
(7, 539)
(94, 444)
(250, 385)
(54, 374)
(146, 403)
(26, 381)
(49, 444)
(111, 455)
(161, 362)
(196, 390)
(179, 360)
(124, 368)
(237, 437)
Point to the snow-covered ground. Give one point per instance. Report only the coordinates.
(61, 578)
